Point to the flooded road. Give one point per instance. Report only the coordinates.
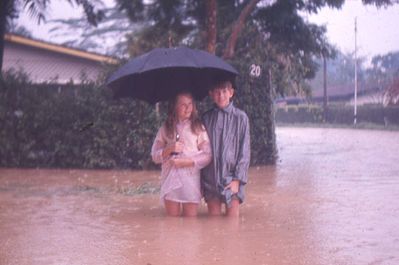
(332, 198)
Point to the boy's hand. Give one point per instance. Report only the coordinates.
(233, 186)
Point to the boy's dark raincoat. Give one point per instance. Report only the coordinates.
(228, 131)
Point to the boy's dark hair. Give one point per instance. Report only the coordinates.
(217, 81)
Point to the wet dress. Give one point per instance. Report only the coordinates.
(182, 184)
(228, 131)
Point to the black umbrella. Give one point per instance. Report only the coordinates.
(163, 72)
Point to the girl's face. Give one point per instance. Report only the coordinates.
(184, 107)
(222, 94)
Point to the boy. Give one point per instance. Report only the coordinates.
(223, 180)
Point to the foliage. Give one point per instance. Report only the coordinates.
(383, 75)
(102, 38)
(83, 127)
(271, 35)
(276, 39)
(38, 8)
(339, 114)
(79, 127)
(391, 96)
(340, 72)
(254, 94)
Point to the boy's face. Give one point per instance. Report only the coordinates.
(222, 94)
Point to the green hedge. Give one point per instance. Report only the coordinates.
(79, 127)
(83, 127)
(338, 114)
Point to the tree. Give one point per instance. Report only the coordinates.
(108, 37)
(276, 40)
(6, 11)
(269, 35)
(384, 69)
(200, 24)
(391, 95)
(340, 71)
(383, 75)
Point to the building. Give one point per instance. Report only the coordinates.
(52, 63)
(344, 94)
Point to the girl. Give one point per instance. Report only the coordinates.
(182, 146)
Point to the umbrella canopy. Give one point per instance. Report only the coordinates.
(163, 72)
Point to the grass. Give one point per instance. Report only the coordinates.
(145, 188)
(128, 189)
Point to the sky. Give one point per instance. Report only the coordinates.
(377, 28)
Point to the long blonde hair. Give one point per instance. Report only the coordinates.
(171, 120)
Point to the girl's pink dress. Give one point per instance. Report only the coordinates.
(182, 184)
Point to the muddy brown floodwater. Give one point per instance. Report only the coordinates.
(332, 198)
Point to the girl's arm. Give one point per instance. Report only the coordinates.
(158, 150)
(199, 160)
(203, 158)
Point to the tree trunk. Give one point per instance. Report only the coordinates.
(211, 13)
(3, 17)
(237, 27)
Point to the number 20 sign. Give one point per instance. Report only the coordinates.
(254, 70)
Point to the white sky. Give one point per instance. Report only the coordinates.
(377, 28)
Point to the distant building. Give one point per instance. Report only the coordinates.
(346, 93)
(284, 101)
(343, 94)
(51, 63)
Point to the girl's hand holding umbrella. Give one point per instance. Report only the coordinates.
(176, 160)
(174, 153)
(173, 149)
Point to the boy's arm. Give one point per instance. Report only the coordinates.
(244, 155)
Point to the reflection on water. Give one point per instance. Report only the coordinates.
(331, 199)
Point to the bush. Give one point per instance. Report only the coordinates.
(339, 114)
(85, 129)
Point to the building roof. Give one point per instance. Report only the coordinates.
(13, 38)
(46, 62)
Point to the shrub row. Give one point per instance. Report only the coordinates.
(41, 127)
(84, 127)
(338, 114)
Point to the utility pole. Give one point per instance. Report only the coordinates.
(325, 98)
(355, 107)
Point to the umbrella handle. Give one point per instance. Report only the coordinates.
(177, 139)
